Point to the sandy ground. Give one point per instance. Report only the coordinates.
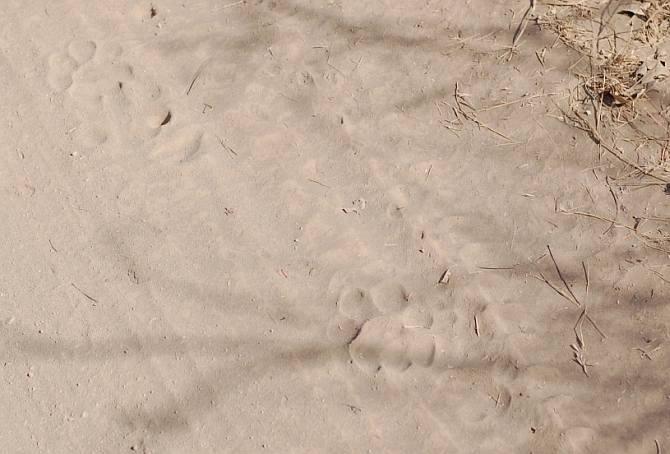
(226, 228)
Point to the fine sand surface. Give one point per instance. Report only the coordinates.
(258, 226)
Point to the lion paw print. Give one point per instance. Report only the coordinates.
(112, 99)
(383, 328)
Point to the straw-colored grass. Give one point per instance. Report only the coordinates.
(620, 61)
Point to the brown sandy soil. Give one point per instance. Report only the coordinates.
(225, 229)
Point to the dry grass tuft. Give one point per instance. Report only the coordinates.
(621, 60)
(657, 24)
(620, 41)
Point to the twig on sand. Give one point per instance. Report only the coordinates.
(586, 279)
(230, 5)
(464, 109)
(579, 333)
(319, 183)
(516, 101)
(542, 278)
(648, 240)
(560, 275)
(580, 359)
(659, 275)
(647, 353)
(582, 123)
(579, 349)
(197, 74)
(497, 267)
(574, 299)
(89, 297)
(521, 28)
(226, 147)
(616, 204)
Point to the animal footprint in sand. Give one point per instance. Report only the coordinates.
(62, 65)
(383, 328)
(104, 88)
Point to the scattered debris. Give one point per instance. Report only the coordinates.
(652, 347)
(354, 409)
(358, 206)
(464, 110)
(580, 359)
(444, 279)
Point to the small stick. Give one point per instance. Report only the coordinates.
(230, 5)
(197, 74)
(660, 276)
(574, 299)
(53, 248)
(581, 360)
(84, 293)
(579, 333)
(586, 278)
(476, 326)
(560, 275)
(588, 317)
(516, 101)
(556, 289)
(444, 278)
(600, 218)
(319, 183)
(646, 239)
(616, 203)
(524, 23)
(593, 323)
(460, 102)
(226, 147)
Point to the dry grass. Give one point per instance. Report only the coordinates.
(621, 60)
(620, 42)
(656, 28)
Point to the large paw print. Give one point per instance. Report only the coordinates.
(383, 328)
(111, 98)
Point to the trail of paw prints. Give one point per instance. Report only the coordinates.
(383, 328)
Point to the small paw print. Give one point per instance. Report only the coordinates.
(62, 65)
